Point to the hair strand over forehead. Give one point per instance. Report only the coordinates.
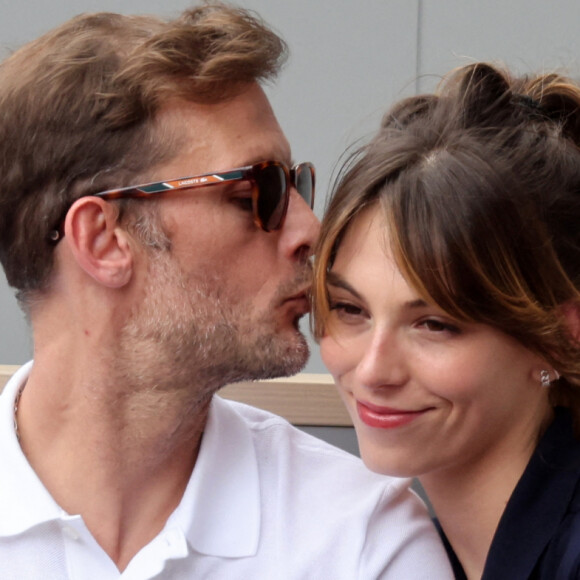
(479, 187)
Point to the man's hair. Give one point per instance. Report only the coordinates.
(479, 188)
(78, 105)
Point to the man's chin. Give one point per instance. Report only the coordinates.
(287, 355)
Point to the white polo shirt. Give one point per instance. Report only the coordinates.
(264, 502)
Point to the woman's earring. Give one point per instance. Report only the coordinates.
(545, 378)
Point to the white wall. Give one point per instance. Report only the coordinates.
(528, 35)
(350, 59)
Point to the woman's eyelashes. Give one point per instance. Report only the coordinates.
(345, 310)
(349, 311)
(437, 325)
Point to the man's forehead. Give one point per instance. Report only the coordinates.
(216, 137)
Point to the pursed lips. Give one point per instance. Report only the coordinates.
(301, 298)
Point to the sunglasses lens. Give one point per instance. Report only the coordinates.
(304, 182)
(272, 198)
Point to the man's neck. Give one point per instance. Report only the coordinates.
(119, 457)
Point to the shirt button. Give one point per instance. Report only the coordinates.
(70, 533)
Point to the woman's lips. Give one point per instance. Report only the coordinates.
(386, 417)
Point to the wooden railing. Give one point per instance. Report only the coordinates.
(305, 399)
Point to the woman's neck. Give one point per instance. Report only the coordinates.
(469, 502)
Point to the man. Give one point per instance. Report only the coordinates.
(160, 245)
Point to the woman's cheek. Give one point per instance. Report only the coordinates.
(338, 355)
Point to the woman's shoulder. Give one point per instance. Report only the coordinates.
(561, 560)
(538, 535)
(560, 455)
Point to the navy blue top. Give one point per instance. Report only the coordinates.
(538, 536)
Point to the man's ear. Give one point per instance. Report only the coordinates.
(100, 247)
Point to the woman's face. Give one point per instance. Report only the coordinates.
(425, 392)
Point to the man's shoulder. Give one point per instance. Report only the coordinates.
(265, 425)
(310, 457)
(325, 500)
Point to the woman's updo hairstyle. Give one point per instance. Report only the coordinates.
(479, 188)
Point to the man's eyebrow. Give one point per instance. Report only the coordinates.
(337, 281)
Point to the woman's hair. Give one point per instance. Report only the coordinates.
(78, 109)
(479, 189)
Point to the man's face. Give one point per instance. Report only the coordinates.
(223, 303)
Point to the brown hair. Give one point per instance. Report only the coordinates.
(77, 111)
(479, 185)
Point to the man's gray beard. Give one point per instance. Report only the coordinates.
(186, 335)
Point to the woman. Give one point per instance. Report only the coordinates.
(447, 306)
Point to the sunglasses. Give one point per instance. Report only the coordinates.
(271, 182)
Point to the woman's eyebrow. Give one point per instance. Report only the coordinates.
(337, 281)
(418, 303)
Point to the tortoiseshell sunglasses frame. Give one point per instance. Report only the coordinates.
(247, 173)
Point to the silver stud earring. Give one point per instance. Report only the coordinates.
(545, 379)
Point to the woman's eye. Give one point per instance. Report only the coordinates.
(434, 325)
(346, 310)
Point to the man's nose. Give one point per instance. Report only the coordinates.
(300, 229)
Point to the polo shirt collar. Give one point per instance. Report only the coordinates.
(220, 509)
(24, 501)
(538, 503)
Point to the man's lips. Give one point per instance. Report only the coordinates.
(299, 301)
(387, 417)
